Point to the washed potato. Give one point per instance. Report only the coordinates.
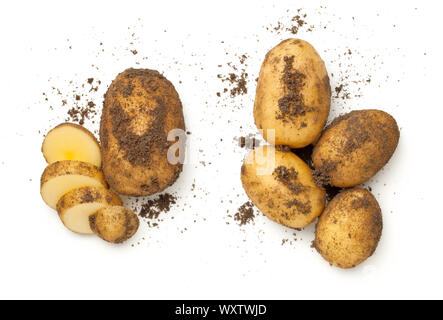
(75, 207)
(62, 176)
(349, 229)
(114, 224)
(280, 184)
(69, 141)
(293, 94)
(355, 147)
(141, 107)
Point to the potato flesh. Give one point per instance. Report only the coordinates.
(71, 143)
(56, 187)
(76, 218)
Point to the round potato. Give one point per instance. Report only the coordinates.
(349, 229)
(293, 94)
(114, 224)
(141, 107)
(280, 184)
(355, 147)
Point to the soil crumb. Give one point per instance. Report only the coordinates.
(245, 213)
(153, 208)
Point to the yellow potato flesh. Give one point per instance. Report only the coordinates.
(56, 187)
(71, 143)
(76, 218)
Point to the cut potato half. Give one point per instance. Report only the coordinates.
(63, 176)
(114, 224)
(69, 141)
(75, 207)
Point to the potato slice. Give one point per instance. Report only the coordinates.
(63, 176)
(75, 207)
(114, 224)
(70, 141)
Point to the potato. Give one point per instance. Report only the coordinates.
(141, 106)
(354, 147)
(281, 186)
(69, 141)
(114, 224)
(348, 231)
(75, 207)
(293, 94)
(63, 176)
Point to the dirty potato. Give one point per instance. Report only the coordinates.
(354, 147)
(114, 224)
(349, 229)
(280, 184)
(141, 107)
(293, 94)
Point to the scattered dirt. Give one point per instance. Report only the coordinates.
(291, 24)
(237, 78)
(245, 213)
(153, 208)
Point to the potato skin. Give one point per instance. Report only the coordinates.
(141, 106)
(293, 94)
(114, 224)
(348, 231)
(87, 195)
(287, 194)
(67, 167)
(355, 147)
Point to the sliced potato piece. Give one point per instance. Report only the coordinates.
(75, 207)
(69, 141)
(114, 224)
(63, 176)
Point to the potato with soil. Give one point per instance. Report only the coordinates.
(354, 147)
(281, 186)
(293, 94)
(114, 224)
(141, 107)
(349, 229)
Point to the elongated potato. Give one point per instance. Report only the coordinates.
(141, 106)
(348, 231)
(281, 186)
(114, 224)
(75, 207)
(355, 147)
(293, 94)
(62, 176)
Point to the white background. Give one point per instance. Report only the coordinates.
(194, 253)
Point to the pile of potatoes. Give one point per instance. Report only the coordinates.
(291, 109)
(140, 108)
